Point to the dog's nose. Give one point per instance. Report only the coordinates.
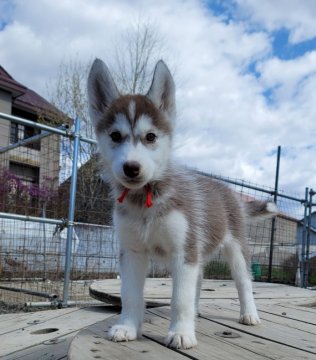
(131, 169)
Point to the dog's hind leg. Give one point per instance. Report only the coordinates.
(198, 292)
(241, 274)
(133, 272)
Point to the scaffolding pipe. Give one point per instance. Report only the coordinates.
(31, 218)
(71, 212)
(29, 292)
(29, 140)
(275, 199)
(252, 187)
(46, 220)
(303, 245)
(33, 124)
(43, 127)
(56, 303)
(308, 236)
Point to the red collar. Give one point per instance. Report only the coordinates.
(149, 196)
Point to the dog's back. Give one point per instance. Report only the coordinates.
(213, 210)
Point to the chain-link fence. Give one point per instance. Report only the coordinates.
(282, 249)
(55, 221)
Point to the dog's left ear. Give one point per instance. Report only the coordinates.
(162, 90)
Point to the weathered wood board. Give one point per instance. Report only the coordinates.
(22, 332)
(250, 345)
(158, 291)
(288, 329)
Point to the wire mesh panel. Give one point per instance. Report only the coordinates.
(278, 249)
(35, 176)
(94, 252)
(35, 182)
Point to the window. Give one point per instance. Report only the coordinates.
(27, 173)
(20, 132)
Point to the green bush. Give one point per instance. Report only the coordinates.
(217, 270)
(284, 273)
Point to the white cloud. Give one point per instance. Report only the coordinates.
(298, 16)
(277, 71)
(226, 125)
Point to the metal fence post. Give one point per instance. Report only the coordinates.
(308, 236)
(71, 211)
(275, 198)
(303, 243)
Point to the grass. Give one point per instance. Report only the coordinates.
(284, 273)
(217, 270)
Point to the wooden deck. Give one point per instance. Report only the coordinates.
(288, 329)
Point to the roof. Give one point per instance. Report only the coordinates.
(31, 101)
(9, 84)
(27, 99)
(313, 214)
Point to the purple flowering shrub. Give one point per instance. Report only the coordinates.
(20, 197)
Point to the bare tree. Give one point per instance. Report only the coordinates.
(134, 57)
(135, 54)
(68, 91)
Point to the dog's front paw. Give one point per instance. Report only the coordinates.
(180, 340)
(122, 333)
(249, 319)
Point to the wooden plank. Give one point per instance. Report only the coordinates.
(89, 344)
(287, 311)
(274, 328)
(20, 315)
(151, 345)
(158, 291)
(156, 328)
(261, 291)
(283, 309)
(92, 342)
(278, 336)
(52, 351)
(244, 347)
(268, 313)
(292, 334)
(10, 322)
(36, 334)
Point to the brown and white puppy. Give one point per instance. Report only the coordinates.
(164, 210)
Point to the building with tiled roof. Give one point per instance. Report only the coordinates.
(34, 162)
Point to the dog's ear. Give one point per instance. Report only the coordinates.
(162, 90)
(101, 90)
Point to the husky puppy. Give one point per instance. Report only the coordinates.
(163, 210)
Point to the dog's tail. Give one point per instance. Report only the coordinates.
(261, 210)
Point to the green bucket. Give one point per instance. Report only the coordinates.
(256, 271)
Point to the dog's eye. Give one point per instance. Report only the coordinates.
(116, 136)
(151, 137)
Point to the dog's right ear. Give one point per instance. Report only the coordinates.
(101, 90)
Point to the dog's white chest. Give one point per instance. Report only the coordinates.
(159, 236)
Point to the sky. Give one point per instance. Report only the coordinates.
(245, 73)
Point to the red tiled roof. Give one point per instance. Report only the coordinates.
(9, 84)
(26, 99)
(33, 102)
